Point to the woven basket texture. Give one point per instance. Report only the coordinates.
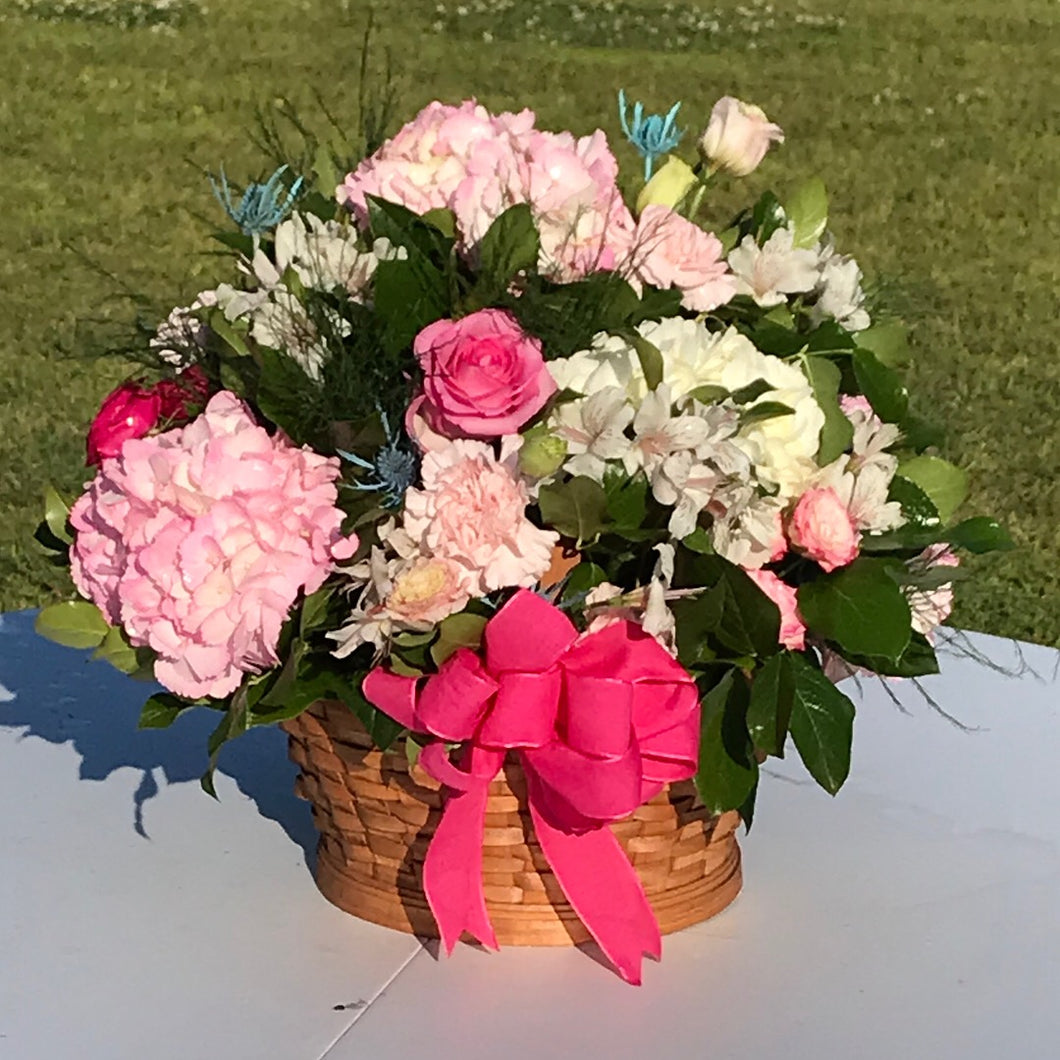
(376, 817)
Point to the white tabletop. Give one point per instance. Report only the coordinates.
(914, 916)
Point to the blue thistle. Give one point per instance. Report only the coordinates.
(259, 208)
(651, 135)
(394, 469)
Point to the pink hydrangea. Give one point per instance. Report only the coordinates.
(792, 628)
(472, 511)
(669, 251)
(477, 165)
(199, 540)
(821, 527)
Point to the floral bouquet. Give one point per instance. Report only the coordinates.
(508, 468)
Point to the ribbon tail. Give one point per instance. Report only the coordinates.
(452, 870)
(603, 889)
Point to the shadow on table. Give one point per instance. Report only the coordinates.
(62, 696)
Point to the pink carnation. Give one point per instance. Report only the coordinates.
(199, 540)
(821, 527)
(669, 251)
(792, 628)
(426, 591)
(472, 511)
(464, 159)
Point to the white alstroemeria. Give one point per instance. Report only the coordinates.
(863, 489)
(689, 485)
(770, 272)
(181, 331)
(369, 622)
(839, 292)
(282, 323)
(237, 304)
(931, 607)
(325, 254)
(658, 433)
(871, 435)
(658, 619)
(750, 533)
(594, 430)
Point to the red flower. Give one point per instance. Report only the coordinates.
(183, 397)
(129, 411)
(133, 410)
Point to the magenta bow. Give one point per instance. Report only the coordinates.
(601, 721)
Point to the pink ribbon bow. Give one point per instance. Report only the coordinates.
(601, 721)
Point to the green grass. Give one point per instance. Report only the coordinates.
(934, 124)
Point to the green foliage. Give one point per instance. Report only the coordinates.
(860, 608)
(807, 211)
(945, 483)
(822, 725)
(837, 432)
(73, 624)
(728, 770)
(577, 508)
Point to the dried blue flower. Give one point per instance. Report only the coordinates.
(393, 468)
(260, 208)
(653, 134)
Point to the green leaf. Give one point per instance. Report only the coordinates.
(764, 410)
(442, 219)
(627, 497)
(888, 342)
(283, 387)
(917, 506)
(651, 360)
(767, 216)
(807, 210)
(510, 246)
(56, 513)
(457, 631)
(728, 771)
(233, 723)
(117, 651)
(980, 534)
(860, 608)
(822, 725)
(577, 509)
(837, 432)
(161, 710)
(750, 622)
(744, 395)
(769, 711)
(412, 750)
(697, 619)
(881, 385)
(582, 578)
(315, 611)
(408, 295)
(699, 541)
(72, 623)
(945, 483)
(918, 660)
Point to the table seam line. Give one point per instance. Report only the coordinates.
(372, 1000)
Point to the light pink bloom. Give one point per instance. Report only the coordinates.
(821, 527)
(200, 539)
(669, 251)
(738, 136)
(483, 375)
(472, 511)
(931, 607)
(464, 159)
(426, 591)
(792, 628)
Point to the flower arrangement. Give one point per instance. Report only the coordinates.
(509, 465)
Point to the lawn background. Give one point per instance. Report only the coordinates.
(936, 126)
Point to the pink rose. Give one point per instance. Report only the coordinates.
(128, 411)
(738, 136)
(483, 375)
(821, 527)
(792, 628)
(669, 251)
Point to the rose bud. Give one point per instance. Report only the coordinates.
(128, 411)
(738, 136)
(821, 528)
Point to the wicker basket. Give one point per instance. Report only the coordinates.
(376, 817)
